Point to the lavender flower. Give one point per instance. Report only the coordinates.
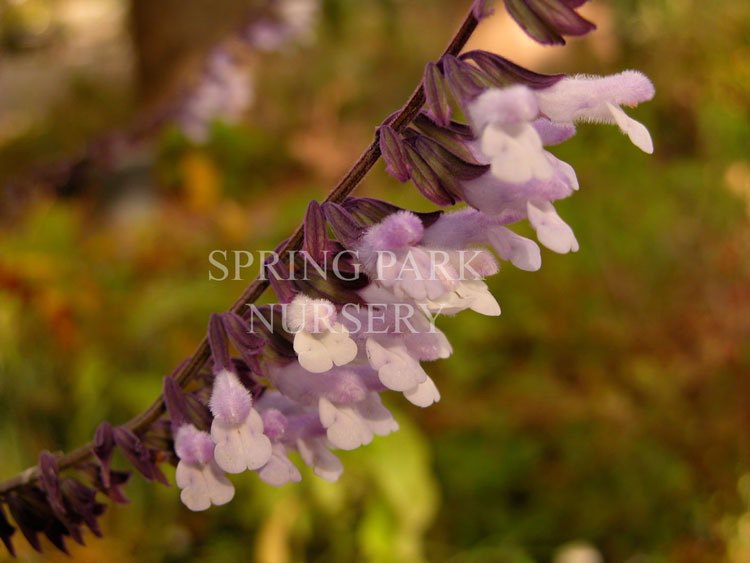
(295, 426)
(503, 121)
(293, 20)
(279, 470)
(237, 429)
(599, 99)
(320, 341)
(198, 475)
(224, 92)
(351, 425)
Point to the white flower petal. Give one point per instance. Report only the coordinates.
(312, 353)
(516, 153)
(228, 451)
(341, 348)
(551, 230)
(202, 485)
(479, 297)
(220, 489)
(637, 132)
(344, 426)
(523, 253)
(240, 447)
(397, 370)
(424, 394)
(256, 445)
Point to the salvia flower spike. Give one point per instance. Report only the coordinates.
(306, 375)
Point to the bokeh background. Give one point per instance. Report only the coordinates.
(603, 416)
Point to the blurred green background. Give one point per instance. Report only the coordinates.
(603, 416)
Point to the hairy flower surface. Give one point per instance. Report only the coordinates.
(599, 99)
(237, 429)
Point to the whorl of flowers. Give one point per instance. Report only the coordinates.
(306, 376)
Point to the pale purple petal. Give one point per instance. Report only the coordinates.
(345, 428)
(523, 253)
(514, 104)
(428, 346)
(315, 453)
(345, 384)
(279, 470)
(230, 400)
(193, 446)
(378, 418)
(398, 230)
(492, 196)
(309, 315)
(553, 132)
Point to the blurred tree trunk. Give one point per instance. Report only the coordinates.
(170, 37)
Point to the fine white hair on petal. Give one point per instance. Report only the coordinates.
(456, 229)
(584, 97)
(398, 230)
(428, 346)
(475, 263)
(193, 445)
(310, 315)
(514, 104)
(230, 400)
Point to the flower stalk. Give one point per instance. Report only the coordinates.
(200, 358)
(313, 384)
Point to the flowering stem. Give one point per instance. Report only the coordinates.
(200, 357)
